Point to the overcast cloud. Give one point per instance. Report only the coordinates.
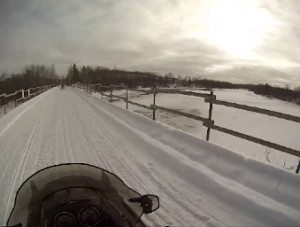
(159, 36)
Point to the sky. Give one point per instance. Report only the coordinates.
(242, 41)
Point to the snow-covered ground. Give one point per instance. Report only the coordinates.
(8, 108)
(269, 128)
(199, 183)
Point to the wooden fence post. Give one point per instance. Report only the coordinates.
(111, 94)
(209, 116)
(154, 108)
(23, 95)
(126, 98)
(298, 168)
(4, 106)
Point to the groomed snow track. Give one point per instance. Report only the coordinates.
(200, 184)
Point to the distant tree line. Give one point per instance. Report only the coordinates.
(107, 76)
(38, 75)
(31, 76)
(282, 93)
(285, 93)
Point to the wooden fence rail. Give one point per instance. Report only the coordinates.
(208, 122)
(188, 93)
(117, 96)
(198, 118)
(140, 105)
(21, 96)
(254, 139)
(256, 110)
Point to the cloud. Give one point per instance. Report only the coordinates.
(254, 74)
(160, 36)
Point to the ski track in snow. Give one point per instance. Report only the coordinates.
(199, 184)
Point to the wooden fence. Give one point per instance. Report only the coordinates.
(21, 96)
(212, 100)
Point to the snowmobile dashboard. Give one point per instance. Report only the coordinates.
(81, 214)
(78, 194)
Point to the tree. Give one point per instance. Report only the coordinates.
(31, 76)
(73, 75)
(297, 89)
(3, 76)
(52, 72)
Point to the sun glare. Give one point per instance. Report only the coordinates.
(237, 26)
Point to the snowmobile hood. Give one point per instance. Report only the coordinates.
(35, 189)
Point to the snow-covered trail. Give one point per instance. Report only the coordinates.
(199, 184)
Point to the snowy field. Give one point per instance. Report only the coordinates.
(269, 128)
(199, 183)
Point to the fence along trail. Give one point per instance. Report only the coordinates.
(207, 122)
(199, 183)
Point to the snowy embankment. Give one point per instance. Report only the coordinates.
(269, 128)
(199, 183)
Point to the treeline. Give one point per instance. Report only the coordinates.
(107, 76)
(39, 75)
(285, 94)
(31, 76)
(282, 93)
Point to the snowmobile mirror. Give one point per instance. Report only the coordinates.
(149, 203)
(154, 201)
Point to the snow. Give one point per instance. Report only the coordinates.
(269, 128)
(8, 107)
(199, 183)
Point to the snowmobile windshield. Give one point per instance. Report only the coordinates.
(38, 187)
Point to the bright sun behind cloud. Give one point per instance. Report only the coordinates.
(237, 26)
